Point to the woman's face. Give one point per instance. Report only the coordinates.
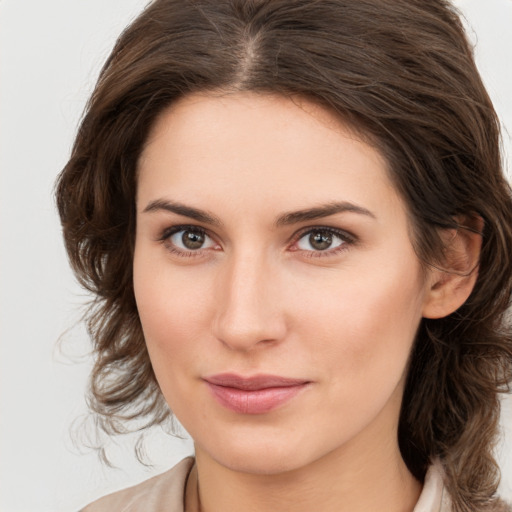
(277, 286)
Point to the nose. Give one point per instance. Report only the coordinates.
(249, 311)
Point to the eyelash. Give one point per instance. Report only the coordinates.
(347, 240)
(169, 232)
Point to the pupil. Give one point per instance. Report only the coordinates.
(320, 240)
(192, 240)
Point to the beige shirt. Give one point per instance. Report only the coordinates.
(165, 493)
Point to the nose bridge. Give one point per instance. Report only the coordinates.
(248, 310)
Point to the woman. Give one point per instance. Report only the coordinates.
(294, 218)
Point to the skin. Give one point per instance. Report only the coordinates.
(257, 297)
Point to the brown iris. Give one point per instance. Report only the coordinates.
(193, 239)
(320, 240)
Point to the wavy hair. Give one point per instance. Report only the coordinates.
(400, 72)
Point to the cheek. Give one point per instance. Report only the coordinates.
(169, 299)
(364, 329)
(173, 309)
(361, 340)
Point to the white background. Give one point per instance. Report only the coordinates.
(51, 52)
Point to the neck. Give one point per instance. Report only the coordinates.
(375, 479)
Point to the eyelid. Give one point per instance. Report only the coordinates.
(348, 240)
(167, 233)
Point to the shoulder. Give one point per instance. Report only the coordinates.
(435, 496)
(162, 492)
(501, 506)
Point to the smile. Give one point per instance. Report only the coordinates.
(254, 395)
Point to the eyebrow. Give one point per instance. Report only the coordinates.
(182, 209)
(285, 219)
(320, 212)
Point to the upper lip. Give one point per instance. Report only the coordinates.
(253, 383)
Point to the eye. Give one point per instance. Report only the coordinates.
(187, 239)
(322, 240)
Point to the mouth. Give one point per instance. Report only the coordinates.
(254, 395)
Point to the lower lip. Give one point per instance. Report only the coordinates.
(254, 402)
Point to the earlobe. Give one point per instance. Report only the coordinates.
(452, 281)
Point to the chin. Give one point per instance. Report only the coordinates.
(258, 455)
(252, 462)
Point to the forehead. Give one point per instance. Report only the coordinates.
(266, 118)
(268, 147)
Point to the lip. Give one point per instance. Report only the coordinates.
(257, 394)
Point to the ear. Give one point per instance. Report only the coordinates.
(451, 282)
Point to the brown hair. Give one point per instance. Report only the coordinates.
(402, 73)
